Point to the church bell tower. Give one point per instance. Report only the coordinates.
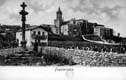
(59, 14)
(58, 21)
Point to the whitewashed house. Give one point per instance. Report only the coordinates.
(65, 29)
(31, 33)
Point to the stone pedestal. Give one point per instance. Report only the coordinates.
(23, 44)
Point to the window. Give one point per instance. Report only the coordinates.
(34, 32)
(39, 32)
(43, 33)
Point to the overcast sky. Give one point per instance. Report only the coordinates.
(111, 13)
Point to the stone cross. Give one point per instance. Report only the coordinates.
(23, 13)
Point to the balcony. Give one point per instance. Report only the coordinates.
(40, 37)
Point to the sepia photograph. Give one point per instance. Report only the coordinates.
(63, 39)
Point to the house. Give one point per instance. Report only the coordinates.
(103, 32)
(51, 28)
(34, 32)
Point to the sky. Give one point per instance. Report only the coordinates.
(111, 13)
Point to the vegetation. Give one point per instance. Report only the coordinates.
(61, 56)
(89, 58)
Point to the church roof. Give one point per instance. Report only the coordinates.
(59, 10)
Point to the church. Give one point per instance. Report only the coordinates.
(79, 27)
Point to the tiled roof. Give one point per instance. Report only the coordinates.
(46, 28)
